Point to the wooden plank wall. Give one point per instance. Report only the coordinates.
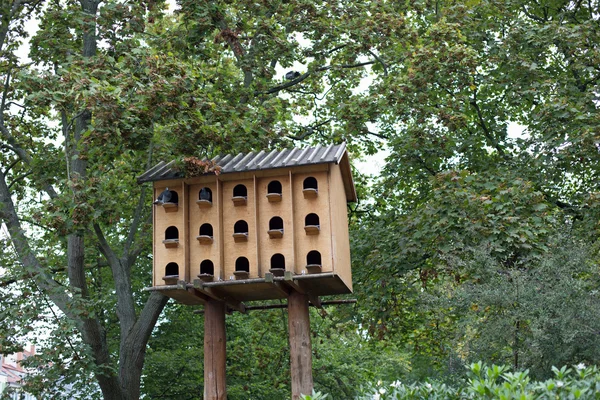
(330, 205)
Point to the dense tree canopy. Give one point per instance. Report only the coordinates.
(475, 241)
(467, 212)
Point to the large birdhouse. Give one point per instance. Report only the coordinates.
(267, 221)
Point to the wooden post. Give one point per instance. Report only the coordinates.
(300, 347)
(214, 350)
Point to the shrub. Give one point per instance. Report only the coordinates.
(495, 382)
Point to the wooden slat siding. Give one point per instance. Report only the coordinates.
(197, 217)
(231, 214)
(257, 234)
(340, 237)
(346, 171)
(155, 281)
(291, 265)
(320, 206)
(184, 235)
(163, 219)
(330, 216)
(220, 230)
(268, 210)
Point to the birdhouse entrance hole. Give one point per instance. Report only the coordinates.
(274, 191)
(206, 234)
(174, 197)
(310, 188)
(169, 199)
(171, 237)
(204, 198)
(240, 195)
(242, 268)
(313, 262)
(171, 273)
(311, 224)
(275, 228)
(277, 264)
(172, 233)
(207, 270)
(240, 231)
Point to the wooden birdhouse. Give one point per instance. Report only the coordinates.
(267, 221)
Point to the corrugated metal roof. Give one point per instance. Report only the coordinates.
(256, 161)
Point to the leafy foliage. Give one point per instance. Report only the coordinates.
(494, 382)
(258, 355)
(468, 225)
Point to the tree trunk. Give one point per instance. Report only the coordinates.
(92, 332)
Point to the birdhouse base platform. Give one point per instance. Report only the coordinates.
(234, 292)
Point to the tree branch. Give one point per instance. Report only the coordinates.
(133, 348)
(4, 28)
(379, 135)
(137, 217)
(309, 130)
(4, 95)
(533, 16)
(385, 71)
(431, 171)
(18, 178)
(26, 256)
(307, 74)
(12, 164)
(23, 155)
(125, 303)
(484, 127)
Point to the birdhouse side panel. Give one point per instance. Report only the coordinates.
(169, 240)
(204, 228)
(275, 233)
(312, 228)
(339, 227)
(240, 214)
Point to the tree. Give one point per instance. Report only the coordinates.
(457, 183)
(71, 213)
(111, 86)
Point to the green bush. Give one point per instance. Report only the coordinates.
(495, 382)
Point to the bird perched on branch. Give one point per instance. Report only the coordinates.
(292, 75)
(164, 197)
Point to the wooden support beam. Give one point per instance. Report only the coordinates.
(277, 306)
(300, 288)
(198, 294)
(288, 278)
(236, 305)
(282, 289)
(314, 300)
(214, 351)
(300, 346)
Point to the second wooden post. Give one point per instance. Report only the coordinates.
(214, 351)
(300, 346)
